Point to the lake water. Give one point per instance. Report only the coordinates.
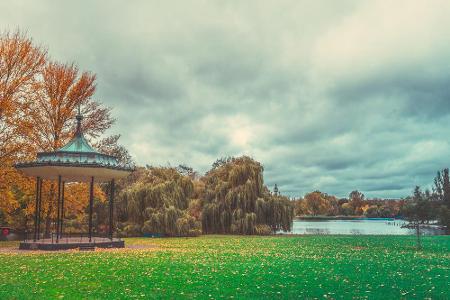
(358, 226)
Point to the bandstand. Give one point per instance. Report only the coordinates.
(77, 161)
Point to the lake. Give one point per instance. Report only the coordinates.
(357, 226)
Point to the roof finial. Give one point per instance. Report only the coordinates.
(79, 117)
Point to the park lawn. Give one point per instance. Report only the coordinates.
(374, 267)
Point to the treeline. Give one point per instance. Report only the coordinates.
(230, 198)
(421, 207)
(319, 203)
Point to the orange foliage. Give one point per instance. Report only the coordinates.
(20, 65)
(59, 94)
(38, 104)
(77, 197)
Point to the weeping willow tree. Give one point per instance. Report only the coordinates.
(157, 202)
(236, 201)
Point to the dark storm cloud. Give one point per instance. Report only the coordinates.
(334, 96)
(420, 95)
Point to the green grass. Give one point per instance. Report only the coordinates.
(374, 267)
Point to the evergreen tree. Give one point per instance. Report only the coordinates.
(442, 187)
(441, 192)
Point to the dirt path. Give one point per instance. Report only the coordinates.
(15, 250)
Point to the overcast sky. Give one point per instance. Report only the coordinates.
(328, 95)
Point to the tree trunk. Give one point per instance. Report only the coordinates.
(419, 245)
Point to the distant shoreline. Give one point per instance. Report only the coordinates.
(320, 218)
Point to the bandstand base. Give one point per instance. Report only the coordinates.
(71, 243)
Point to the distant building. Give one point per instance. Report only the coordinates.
(276, 192)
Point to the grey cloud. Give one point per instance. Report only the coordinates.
(321, 93)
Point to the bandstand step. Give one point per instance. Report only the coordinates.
(87, 248)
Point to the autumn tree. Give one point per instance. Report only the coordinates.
(300, 207)
(21, 63)
(316, 203)
(62, 90)
(356, 200)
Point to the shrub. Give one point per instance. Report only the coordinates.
(263, 229)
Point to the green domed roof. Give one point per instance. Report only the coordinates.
(77, 153)
(77, 144)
